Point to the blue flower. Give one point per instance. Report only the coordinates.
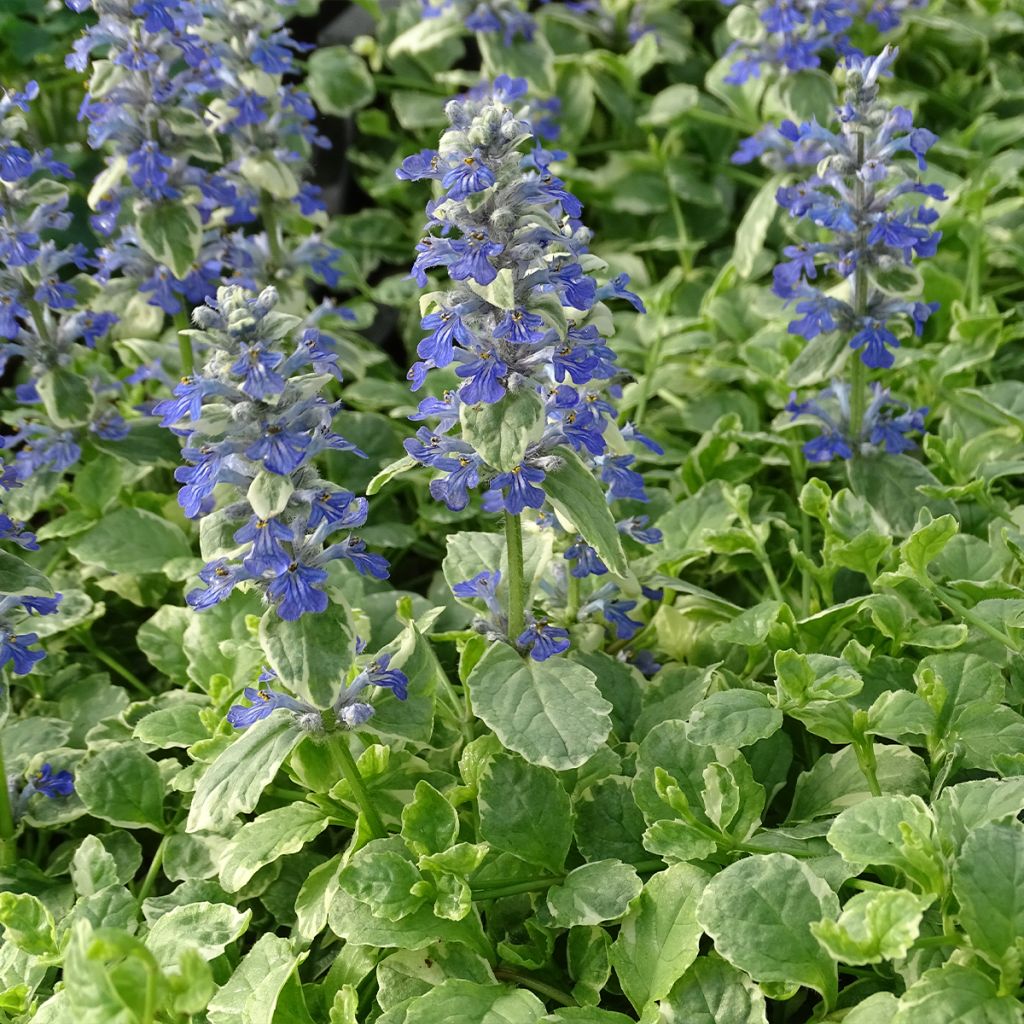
(296, 591)
(585, 559)
(263, 703)
(483, 379)
(14, 649)
(468, 176)
(543, 640)
(483, 586)
(52, 784)
(515, 491)
(886, 425)
(220, 578)
(267, 554)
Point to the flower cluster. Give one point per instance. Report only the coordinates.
(524, 326)
(16, 646)
(791, 35)
(873, 208)
(348, 711)
(540, 638)
(254, 419)
(43, 326)
(885, 425)
(509, 17)
(523, 312)
(203, 134)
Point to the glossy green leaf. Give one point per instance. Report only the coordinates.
(549, 712)
(659, 937)
(759, 912)
(525, 810)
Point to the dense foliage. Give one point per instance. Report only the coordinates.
(511, 512)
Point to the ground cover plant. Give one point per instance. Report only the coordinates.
(511, 512)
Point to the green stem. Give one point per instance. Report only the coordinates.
(650, 368)
(865, 751)
(39, 316)
(494, 892)
(188, 359)
(858, 372)
(516, 575)
(270, 226)
(975, 620)
(113, 664)
(8, 842)
(556, 995)
(153, 873)
(338, 745)
(572, 604)
(937, 941)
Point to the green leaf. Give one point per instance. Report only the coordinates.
(551, 712)
(500, 292)
(668, 747)
(27, 923)
(233, 784)
(251, 994)
(578, 499)
(670, 104)
(121, 785)
(338, 80)
(964, 807)
(502, 431)
(93, 868)
(988, 882)
(388, 473)
(594, 893)
(265, 171)
(66, 396)
(759, 911)
(171, 233)
(890, 483)
(525, 810)
(209, 928)
(457, 1000)
(836, 780)
(426, 34)
(733, 718)
(107, 974)
(470, 553)
(131, 541)
(753, 228)
(382, 876)
(688, 523)
(314, 899)
(275, 834)
(894, 830)
(18, 577)
(585, 1015)
(353, 920)
(927, 542)
(956, 994)
(659, 938)
(429, 822)
(609, 823)
(310, 654)
(874, 926)
(269, 493)
(712, 991)
(178, 726)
